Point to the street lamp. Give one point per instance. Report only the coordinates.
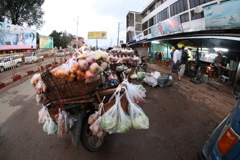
(77, 32)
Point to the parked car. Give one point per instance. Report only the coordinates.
(224, 142)
(10, 61)
(33, 57)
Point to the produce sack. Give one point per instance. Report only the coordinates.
(41, 99)
(109, 118)
(40, 87)
(150, 80)
(138, 117)
(42, 115)
(50, 126)
(136, 95)
(165, 80)
(140, 76)
(62, 130)
(96, 127)
(124, 122)
(156, 74)
(69, 120)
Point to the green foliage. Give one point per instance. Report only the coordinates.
(61, 39)
(19, 12)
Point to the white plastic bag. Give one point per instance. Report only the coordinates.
(150, 80)
(62, 130)
(138, 117)
(40, 87)
(42, 115)
(135, 94)
(124, 122)
(156, 74)
(109, 118)
(50, 126)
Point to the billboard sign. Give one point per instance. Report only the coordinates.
(97, 35)
(223, 15)
(155, 31)
(45, 42)
(16, 37)
(140, 37)
(170, 25)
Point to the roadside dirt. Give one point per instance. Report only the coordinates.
(217, 96)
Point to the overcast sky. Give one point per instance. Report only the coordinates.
(94, 15)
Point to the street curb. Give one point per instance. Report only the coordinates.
(22, 75)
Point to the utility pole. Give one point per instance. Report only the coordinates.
(118, 33)
(77, 32)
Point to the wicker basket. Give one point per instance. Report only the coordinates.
(58, 88)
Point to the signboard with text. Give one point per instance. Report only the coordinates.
(223, 15)
(97, 35)
(45, 42)
(16, 37)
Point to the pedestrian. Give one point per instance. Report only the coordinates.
(175, 68)
(217, 62)
(184, 59)
(160, 56)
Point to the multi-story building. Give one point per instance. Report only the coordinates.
(80, 41)
(204, 26)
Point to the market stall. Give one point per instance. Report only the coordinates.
(75, 102)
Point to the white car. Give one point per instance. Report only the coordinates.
(10, 61)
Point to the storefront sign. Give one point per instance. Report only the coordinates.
(223, 15)
(16, 37)
(155, 32)
(139, 37)
(170, 25)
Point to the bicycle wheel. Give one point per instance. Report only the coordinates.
(89, 141)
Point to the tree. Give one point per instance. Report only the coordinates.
(19, 12)
(61, 39)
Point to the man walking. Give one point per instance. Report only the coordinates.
(176, 61)
(184, 60)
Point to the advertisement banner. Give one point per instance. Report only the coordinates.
(97, 35)
(222, 15)
(155, 31)
(139, 37)
(45, 42)
(170, 25)
(16, 37)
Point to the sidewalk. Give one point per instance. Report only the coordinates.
(218, 97)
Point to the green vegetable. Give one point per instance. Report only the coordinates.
(108, 123)
(124, 126)
(141, 122)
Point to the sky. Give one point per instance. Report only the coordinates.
(93, 15)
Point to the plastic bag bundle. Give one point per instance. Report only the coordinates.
(41, 98)
(95, 126)
(165, 80)
(109, 118)
(69, 121)
(42, 115)
(138, 117)
(136, 95)
(35, 78)
(50, 126)
(40, 87)
(124, 122)
(62, 130)
(150, 80)
(140, 76)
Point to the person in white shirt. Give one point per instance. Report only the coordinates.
(175, 68)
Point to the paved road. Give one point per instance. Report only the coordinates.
(178, 129)
(26, 67)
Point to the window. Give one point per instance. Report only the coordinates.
(184, 17)
(194, 3)
(145, 32)
(138, 27)
(155, 20)
(150, 22)
(196, 15)
(145, 25)
(178, 7)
